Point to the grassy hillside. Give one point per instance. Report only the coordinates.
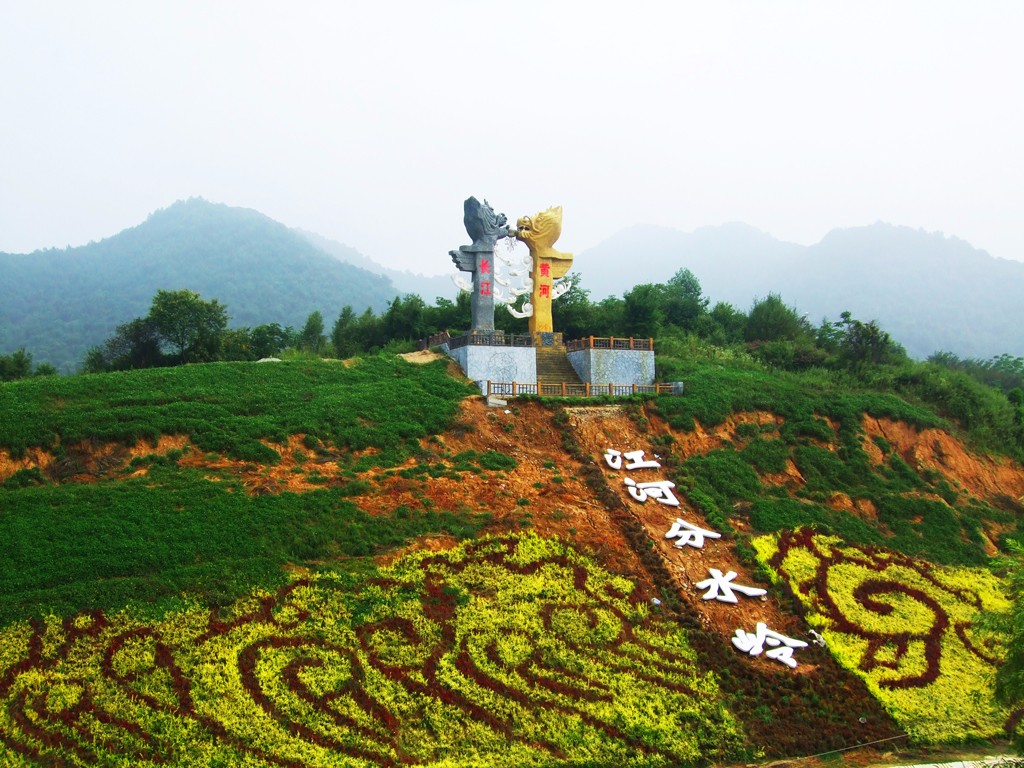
(313, 563)
(123, 536)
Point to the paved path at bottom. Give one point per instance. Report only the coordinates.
(998, 761)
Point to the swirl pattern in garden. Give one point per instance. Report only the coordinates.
(504, 651)
(906, 626)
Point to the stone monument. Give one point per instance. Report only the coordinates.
(485, 227)
(540, 233)
(513, 364)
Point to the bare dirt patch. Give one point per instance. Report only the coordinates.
(33, 458)
(984, 477)
(422, 356)
(790, 478)
(705, 439)
(546, 487)
(87, 461)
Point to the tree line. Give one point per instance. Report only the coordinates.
(182, 327)
(987, 397)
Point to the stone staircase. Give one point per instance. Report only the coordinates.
(553, 366)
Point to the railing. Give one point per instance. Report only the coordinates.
(565, 389)
(490, 339)
(596, 342)
(434, 341)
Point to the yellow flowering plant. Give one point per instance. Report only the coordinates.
(906, 626)
(502, 651)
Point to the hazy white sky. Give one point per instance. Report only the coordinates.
(370, 122)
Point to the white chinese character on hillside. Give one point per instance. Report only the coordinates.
(689, 534)
(613, 458)
(659, 491)
(635, 460)
(721, 588)
(781, 647)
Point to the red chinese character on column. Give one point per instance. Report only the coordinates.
(545, 291)
(545, 270)
(485, 288)
(485, 266)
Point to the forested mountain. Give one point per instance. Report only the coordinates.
(930, 292)
(58, 303)
(428, 287)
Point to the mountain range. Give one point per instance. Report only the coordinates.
(930, 292)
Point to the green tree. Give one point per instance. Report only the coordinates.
(683, 301)
(572, 313)
(135, 344)
(643, 314)
(1016, 398)
(861, 343)
(723, 325)
(45, 369)
(404, 318)
(268, 340)
(189, 324)
(311, 337)
(17, 365)
(368, 332)
(771, 320)
(448, 315)
(343, 334)
(235, 344)
(1009, 627)
(611, 316)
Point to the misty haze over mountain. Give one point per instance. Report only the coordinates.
(58, 303)
(930, 292)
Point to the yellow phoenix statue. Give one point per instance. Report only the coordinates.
(540, 233)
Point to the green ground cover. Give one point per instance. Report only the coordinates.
(72, 546)
(380, 401)
(101, 545)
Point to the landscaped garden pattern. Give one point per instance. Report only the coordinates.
(904, 625)
(504, 651)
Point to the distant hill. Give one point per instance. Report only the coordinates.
(58, 303)
(929, 291)
(427, 287)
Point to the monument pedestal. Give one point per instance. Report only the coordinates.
(547, 339)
